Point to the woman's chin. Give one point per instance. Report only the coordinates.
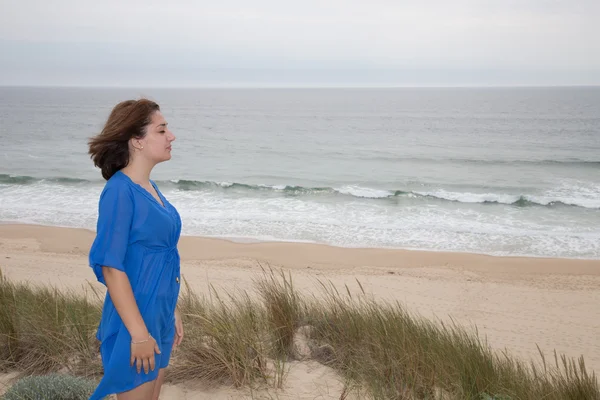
(167, 157)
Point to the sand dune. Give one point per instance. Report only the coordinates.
(515, 302)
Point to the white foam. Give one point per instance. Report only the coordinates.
(279, 187)
(565, 232)
(572, 195)
(465, 197)
(364, 192)
(572, 192)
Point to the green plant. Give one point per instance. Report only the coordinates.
(51, 387)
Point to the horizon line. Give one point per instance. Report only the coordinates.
(238, 86)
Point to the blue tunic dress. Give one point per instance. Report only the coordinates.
(137, 235)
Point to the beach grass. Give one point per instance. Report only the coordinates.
(43, 329)
(247, 339)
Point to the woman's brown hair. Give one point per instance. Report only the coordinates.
(110, 149)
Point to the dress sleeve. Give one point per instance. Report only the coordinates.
(115, 213)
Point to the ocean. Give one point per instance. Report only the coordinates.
(501, 171)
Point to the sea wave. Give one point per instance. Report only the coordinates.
(519, 200)
(575, 197)
(24, 180)
(511, 199)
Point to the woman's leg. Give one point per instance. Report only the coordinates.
(142, 392)
(158, 383)
(161, 375)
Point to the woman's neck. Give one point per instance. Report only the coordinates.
(138, 171)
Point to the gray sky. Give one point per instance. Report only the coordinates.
(296, 43)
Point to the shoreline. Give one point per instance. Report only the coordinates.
(516, 303)
(251, 240)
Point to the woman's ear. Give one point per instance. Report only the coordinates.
(136, 144)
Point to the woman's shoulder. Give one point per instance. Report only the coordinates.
(116, 185)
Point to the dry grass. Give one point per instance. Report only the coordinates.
(44, 330)
(395, 355)
(239, 339)
(223, 340)
(284, 310)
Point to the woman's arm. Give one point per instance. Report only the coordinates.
(143, 346)
(121, 295)
(178, 328)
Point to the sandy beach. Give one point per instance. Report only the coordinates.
(517, 303)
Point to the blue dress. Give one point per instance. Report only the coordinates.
(139, 236)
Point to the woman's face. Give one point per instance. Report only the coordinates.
(156, 144)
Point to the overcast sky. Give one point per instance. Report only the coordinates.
(299, 43)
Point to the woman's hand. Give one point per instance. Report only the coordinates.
(142, 354)
(178, 328)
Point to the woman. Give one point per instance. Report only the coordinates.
(135, 253)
